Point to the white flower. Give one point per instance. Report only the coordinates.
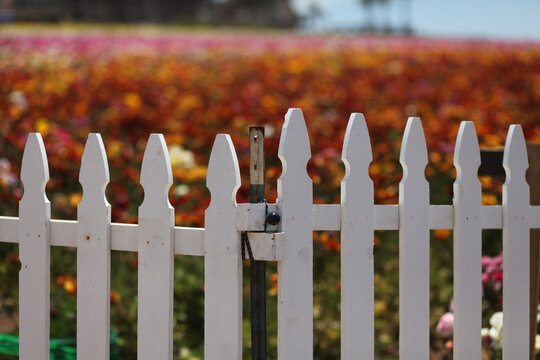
(181, 190)
(184, 351)
(495, 332)
(269, 130)
(181, 157)
(6, 176)
(496, 320)
(19, 99)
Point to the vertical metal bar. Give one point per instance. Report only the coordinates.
(257, 268)
(533, 177)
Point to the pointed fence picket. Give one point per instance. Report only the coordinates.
(222, 261)
(156, 255)
(34, 253)
(157, 240)
(413, 246)
(467, 246)
(357, 281)
(516, 228)
(93, 255)
(295, 272)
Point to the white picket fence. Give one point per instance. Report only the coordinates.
(157, 240)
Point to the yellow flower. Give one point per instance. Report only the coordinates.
(75, 199)
(486, 181)
(489, 199)
(115, 148)
(43, 126)
(70, 286)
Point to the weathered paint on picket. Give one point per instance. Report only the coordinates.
(93, 254)
(467, 246)
(34, 253)
(222, 261)
(413, 246)
(295, 272)
(515, 205)
(357, 274)
(156, 255)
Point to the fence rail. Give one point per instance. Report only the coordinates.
(250, 217)
(290, 244)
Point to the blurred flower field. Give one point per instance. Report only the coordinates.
(192, 87)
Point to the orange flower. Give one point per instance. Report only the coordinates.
(115, 297)
(442, 234)
(273, 284)
(132, 100)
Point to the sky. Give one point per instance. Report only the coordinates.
(495, 19)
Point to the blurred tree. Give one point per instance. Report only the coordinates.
(369, 9)
(314, 12)
(405, 9)
(406, 15)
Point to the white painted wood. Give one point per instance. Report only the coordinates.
(492, 217)
(295, 272)
(34, 253)
(515, 206)
(252, 216)
(222, 260)
(93, 255)
(156, 255)
(534, 217)
(467, 246)
(386, 217)
(267, 246)
(190, 241)
(357, 282)
(413, 246)
(441, 216)
(63, 233)
(9, 229)
(326, 217)
(187, 241)
(125, 237)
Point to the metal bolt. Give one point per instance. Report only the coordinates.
(273, 218)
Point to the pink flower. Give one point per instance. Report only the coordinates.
(446, 324)
(492, 271)
(486, 260)
(498, 260)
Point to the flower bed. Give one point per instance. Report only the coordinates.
(191, 87)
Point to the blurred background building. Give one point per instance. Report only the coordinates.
(268, 13)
